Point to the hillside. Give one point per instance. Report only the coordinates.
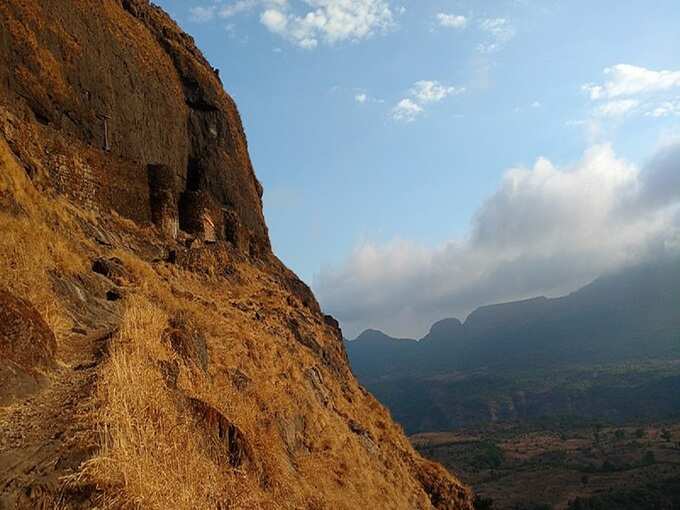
(154, 353)
(628, 315)
(564, 468)
(581, 356)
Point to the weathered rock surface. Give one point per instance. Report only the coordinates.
(120, 75)
(188, 341)
(26, 345)
(25, 338)
(227, 442)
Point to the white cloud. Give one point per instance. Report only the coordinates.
(628, 80)
(426, 91)
(362, 97)
(665, 109)
(274, 20)
(237, 7)
(500, 31)
(202, 14)
(545, 231)
(423, 93)
(406, 110)
(661, 184)
(451, 20)
(536, 104)
(594, 91)
(306, 23)
(330, 21)
(617, 108)
(629, 89)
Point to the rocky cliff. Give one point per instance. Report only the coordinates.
(154, 353)
(112, 88)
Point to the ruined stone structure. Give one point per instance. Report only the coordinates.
(233, 231)
(163, 195)
(105, 107)
(201, 216)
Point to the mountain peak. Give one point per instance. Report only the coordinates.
(446, 326)
(375, 335)
(506, 314)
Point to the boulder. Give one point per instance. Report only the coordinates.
(188, 341)
(26, 345)
(228, 444)
(25, 337)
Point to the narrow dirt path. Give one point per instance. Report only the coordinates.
(45, 437)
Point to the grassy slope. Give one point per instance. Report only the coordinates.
(315, 442)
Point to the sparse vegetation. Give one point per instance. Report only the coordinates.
(550, 467)
(487, 455)
(152, 453)
(658, 495)
(482, 503)
(29, 250)
(531, 506)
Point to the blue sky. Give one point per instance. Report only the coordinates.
(400, 143)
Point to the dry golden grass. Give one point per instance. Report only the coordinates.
(30, 249)
(152, 455)
(28, 254)
(151, 451)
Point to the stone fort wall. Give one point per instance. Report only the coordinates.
(100, 180)
(89, 176)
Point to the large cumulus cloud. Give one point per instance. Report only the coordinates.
(545, 231)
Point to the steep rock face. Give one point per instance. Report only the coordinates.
(194, 369)
(114, 87)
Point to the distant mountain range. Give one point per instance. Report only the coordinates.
(534, 358)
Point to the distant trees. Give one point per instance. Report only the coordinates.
(482, 503)
(608, 466)
(653, 496)
(596, 433)
(531, 506)
(487, 455)
(640, 433)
